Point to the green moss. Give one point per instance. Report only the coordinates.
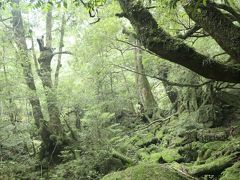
(143, 154)
(178, 141)
(170, 155)
(154, 157)
(146, 171)
(159, 134)
(214, 167)
(232, 173)
(144, 139)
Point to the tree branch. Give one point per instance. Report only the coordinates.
(218, 25)
(63, 52)
(228, 9)
(156, 40)
(164, 79)
(190, 32)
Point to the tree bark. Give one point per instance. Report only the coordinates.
(155, 39)
(55, 143)
(170, 91)
(49, 29)
(144, 90)
(59, 65)
(20, 40)
(218, 25)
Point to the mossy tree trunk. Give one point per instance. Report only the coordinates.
(49, 131)
(61, 45)
(19, 36)
(55, 143)
(170, 91)
(155, 39)
(219, 26)
(144, 89)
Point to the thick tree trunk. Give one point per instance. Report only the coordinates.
(155, 39)
(218, 25)
(143, 86)
(54, 145)
(19, 35)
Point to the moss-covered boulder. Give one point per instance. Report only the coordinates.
(170, 155)
(232, 172)
(109, 165)
(214, 134)
(215, 167)
(146, 171)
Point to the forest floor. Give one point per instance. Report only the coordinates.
(176, 148)
(186, 149)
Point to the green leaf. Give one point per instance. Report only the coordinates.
(205, 2)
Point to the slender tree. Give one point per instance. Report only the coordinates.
(61, 45)
(144, 89)
(19, 36)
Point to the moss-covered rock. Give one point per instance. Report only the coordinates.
(155, 157)
(143, 154)
(109, 165)
(215, 167)
(144, 140)
(190, 151)
(209, 135)
(170, 155)
(146, 171)
(165, 156)
(232, 173)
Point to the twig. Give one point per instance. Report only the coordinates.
(165, 80)
(153, 122)
(63, 52)
(133, 45)
(190, 32)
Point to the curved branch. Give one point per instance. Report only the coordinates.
(190, 32)
(158, 41)
(164, 79)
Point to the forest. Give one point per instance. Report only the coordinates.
(120, 89)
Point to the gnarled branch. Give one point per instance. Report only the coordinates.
(155, 39)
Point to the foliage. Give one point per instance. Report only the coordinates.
(196, 135)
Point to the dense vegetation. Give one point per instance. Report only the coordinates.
(126, 89)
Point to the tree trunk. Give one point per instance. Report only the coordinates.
(155, 39)
(218, 25)
(59, 65)
(20, 40)
(54, 145)
(143, 86)
(171, 92)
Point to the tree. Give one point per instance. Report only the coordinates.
(19, 35)
(51, 132)
(144, 89)
(155, 39)
(54, 145)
